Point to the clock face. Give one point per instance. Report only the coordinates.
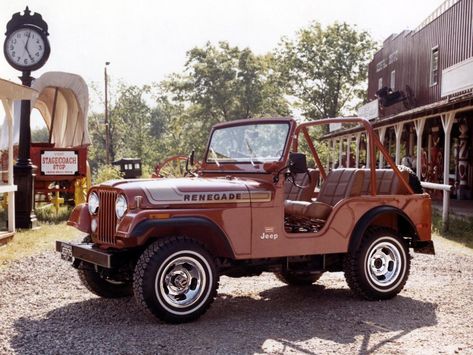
(25, 48)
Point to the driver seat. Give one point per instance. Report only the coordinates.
(307, 180)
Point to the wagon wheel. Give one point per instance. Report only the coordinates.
(171, 167)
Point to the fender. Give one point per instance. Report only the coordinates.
(199, 228)
(404, 224)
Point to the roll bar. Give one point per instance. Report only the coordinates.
(373, 142)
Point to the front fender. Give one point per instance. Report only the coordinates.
(199, 228)
(80, 218)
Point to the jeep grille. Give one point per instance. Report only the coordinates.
(107, 219)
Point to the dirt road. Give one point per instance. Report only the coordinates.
(44, 309)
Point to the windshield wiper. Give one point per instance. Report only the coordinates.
(251, 152)
(214, 155)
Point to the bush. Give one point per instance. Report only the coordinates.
(107, 172)
(48, 214)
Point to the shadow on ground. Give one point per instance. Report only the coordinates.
(290, 316)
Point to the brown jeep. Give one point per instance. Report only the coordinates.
(252, 206)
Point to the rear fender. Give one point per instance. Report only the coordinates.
(198, 228)
(403, 224)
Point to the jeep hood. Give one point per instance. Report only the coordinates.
(177, 191)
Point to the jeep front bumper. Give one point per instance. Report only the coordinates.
(89, 253)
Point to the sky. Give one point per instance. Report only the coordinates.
(147, 40)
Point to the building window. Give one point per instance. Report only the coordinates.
(393, 57)
(380, 83)
(393, 79)
(434, 66)
(380, 66)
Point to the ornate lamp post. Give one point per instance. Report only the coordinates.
(26, 48)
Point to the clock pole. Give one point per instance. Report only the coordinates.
(24, 170)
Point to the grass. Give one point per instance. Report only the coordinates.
(460, 230)
(31, 242)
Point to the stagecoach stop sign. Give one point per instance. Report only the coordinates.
(26, 48)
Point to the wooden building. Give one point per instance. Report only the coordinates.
(420, 84)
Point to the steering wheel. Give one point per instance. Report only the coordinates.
(171, 167)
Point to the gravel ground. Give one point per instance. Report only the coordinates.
(44, 309)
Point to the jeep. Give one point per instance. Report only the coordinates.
(251, 206)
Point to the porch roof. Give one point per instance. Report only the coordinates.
(430, 110)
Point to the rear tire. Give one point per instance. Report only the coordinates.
(297, 279)
(175, 280)
(380, 267)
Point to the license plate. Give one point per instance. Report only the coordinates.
(66, 252)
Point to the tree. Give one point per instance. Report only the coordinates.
(325, 69)
(220, 83)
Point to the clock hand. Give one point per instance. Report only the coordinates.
(31, 57)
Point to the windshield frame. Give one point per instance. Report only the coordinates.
(241, 123)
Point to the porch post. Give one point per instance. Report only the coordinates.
(357, 150)
(447, 123)
(382, 134)
(348, 152)
(329, 145)
(419, 125)
(398, 132)
(340, 152)
(8, 108)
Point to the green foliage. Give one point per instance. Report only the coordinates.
(460, 230)
(326, 68)
(220, 83)
(48, 214)
(106, 173)
(40, 135)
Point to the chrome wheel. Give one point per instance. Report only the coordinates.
(384, 264)
(379, 267)
(181, 281)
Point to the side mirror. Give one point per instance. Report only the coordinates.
(297, 163)
(192, 157)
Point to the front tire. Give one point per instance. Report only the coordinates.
(100, 285)
(380, 267)
(103, 286)
(175, 280)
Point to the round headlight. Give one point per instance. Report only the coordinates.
(93, 203)
(120, 206)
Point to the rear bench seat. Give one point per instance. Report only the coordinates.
(340, 184)
(387, 182)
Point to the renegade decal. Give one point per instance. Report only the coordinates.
(213, 197)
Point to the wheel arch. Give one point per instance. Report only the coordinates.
(200, 229)
(383, 216)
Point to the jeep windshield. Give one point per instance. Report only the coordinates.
(253, 143)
